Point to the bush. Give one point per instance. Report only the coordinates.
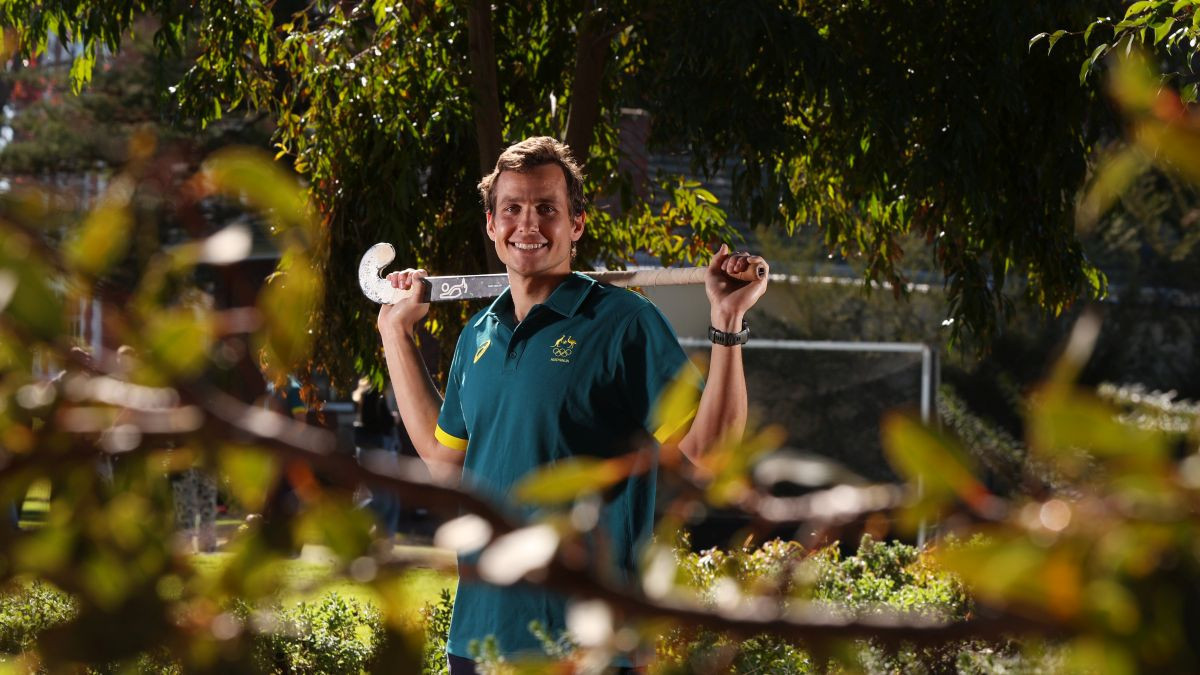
(436, 619)
(30, 609)
(334, 634)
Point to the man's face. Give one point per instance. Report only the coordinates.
(532, 224)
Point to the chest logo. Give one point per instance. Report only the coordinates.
(562, 349)
(482, 348)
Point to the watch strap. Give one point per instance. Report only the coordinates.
(720, 337)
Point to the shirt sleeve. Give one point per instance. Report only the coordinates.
(451, 430)
(661, 385)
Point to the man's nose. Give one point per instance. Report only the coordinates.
(526, 222)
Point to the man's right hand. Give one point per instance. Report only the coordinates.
(401, 318)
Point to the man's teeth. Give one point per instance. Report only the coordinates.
(527, 247)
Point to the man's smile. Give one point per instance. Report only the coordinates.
(528, 246)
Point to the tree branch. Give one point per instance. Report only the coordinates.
(591, 56)
(485, 101)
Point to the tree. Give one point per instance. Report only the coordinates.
(831, 115)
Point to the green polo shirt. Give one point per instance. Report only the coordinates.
(579, 376)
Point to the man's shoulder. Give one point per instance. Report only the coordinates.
(615, 299)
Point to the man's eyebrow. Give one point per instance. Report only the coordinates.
(540, 199)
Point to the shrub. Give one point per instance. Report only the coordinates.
(335, 634)
(436, 619)
(30, 609)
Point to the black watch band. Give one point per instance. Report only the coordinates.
(720, 337)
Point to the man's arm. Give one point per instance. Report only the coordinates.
(724, 404)
(417, 398)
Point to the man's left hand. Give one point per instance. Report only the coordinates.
(729, 298)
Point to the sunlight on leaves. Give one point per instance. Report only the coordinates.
(926, 456)
(286, 302)
(251, 176)
(179, 340)
(249, 472)
(568, 479)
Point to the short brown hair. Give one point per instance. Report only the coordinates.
(531, 153)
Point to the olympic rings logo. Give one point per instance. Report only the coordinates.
(560, 352)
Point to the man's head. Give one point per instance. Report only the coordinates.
(531, 153)
(534, 202)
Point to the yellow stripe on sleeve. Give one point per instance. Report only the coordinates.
(448, 440)
(672, 427)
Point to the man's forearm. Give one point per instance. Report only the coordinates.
(724, 404)
(419, 403)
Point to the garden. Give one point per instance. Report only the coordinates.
(186, 189)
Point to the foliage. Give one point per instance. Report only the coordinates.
(1105, 554)
(29, 610)
(1167, 27)
(881, 576)
(334, 634)
(381, 107)
(435, 617)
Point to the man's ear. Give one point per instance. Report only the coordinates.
(577, 224)
(491, 228)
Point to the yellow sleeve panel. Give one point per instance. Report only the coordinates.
(452, 442)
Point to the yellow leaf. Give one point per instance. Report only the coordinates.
(567, 480)
(250, 472)
(925, 455)
(286, 302)
(179, 340)
(251, 175)
(102, 239)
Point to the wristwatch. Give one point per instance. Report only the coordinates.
(720, 337)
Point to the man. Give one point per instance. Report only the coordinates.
(558, 366)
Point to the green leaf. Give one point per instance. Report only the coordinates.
(1113, 176)
(1033, 40)
(1054, 38)
(1138, 7)
(179, 340)
(1161, 30)
(338, 525)
(28, 298)
(567, 480)
(706, 195)
(242, 173)
(249, 472)
(102, 239)
(1008, 568)
(1181, 4)
(926, 456)
(286, 302)
(1062, 421)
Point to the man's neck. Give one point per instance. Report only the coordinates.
(529, 291)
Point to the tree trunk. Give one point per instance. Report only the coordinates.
(591, 55)
(485, 101)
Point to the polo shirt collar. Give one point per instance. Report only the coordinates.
(570, 294)
(565, 299)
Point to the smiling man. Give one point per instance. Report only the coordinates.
(558, 366)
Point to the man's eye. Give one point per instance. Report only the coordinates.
(512, 208)
(546, 209)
